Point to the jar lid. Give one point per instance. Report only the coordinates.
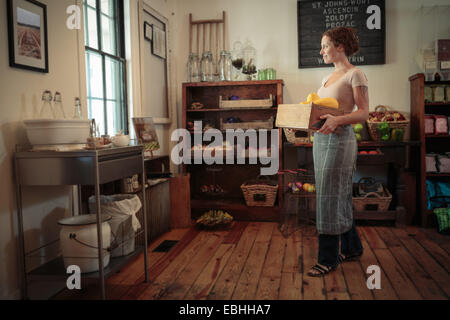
(83, 219)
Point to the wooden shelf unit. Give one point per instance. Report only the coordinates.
(231, 176)
(429, 143)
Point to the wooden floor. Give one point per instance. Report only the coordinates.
(254, 261)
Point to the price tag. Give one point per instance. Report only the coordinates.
(430, 64)
(445, 65)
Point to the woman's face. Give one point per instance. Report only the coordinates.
(329, 52)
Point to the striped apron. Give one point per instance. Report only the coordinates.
(334, 165)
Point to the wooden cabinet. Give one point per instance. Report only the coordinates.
(429, 143)
(230, 176)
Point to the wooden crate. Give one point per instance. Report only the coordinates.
(255, 124)
(246, 104)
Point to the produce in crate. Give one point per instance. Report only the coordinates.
(214, 217)
(384, 125)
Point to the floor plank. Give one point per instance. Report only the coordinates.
(225, 284)
(313, 287)
(368, 258)
(254, 261)
(134, 270)
(292, 271)
(235, 234)
(251, 274)
(422, 281)
(403, 286)
(179, 288)
(203, 284)
(356, 281)
(372, 237)
(162, 281)
(434, 269)
(269, 283)
(335, 285)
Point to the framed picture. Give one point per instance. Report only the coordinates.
(159, 42)
(148, 31)
(146, 134)
(27, 35)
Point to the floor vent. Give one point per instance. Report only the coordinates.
(165, 246)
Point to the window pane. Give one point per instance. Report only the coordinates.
(113, 79)
(96, 111)
(90, 30)
(114, 116)
(108, 7)
(94, 75)
(108, 35)
(92, 3)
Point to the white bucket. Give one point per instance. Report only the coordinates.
(79, 245)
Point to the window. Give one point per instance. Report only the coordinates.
(106, 65)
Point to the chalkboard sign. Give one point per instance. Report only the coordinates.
(367, 17)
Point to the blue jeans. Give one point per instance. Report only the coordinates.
(329, 246)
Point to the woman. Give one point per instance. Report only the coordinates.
(335, 153)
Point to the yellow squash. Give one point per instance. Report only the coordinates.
(326, 102)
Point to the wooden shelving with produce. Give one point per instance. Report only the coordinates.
(202, 102)
(429, 143)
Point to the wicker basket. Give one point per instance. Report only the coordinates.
(291, 136)
(260, 192)
(373, 199)
(372, 126)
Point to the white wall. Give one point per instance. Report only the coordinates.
(20, 96)
(272, 28)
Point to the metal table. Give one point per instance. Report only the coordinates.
(80, 167)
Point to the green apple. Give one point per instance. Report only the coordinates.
(358, 127)
(358, 137)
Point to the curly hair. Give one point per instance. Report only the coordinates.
(345, 36)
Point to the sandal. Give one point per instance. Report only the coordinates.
(350, 257)
(319, 270)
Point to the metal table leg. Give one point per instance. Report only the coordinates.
(99, 229)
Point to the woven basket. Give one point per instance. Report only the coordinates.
(372, 126)
(290, 136)
(373, 199)
(260, 192)
(443, 220)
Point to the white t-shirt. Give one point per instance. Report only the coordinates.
(342, 89)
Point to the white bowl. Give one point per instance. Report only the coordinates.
(60, 131)
(120, 140)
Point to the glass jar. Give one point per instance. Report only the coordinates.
(47, 111)
(237, 60)
(225, 66)
(249, 67)
(58, 106)
(77, 109)
(206, 66)
(193, 69)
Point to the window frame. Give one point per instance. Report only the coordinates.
(120, 58)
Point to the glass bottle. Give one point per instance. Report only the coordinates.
(249, 67)
(228, 66)
(46, 108)
(206, 66)
(58, 106)
(212, 66)
(77, 109)
(188, 68)
(222, 62)
(194, 71)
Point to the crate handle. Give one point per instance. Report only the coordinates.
(372, 193)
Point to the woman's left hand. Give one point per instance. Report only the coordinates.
(330, 124)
